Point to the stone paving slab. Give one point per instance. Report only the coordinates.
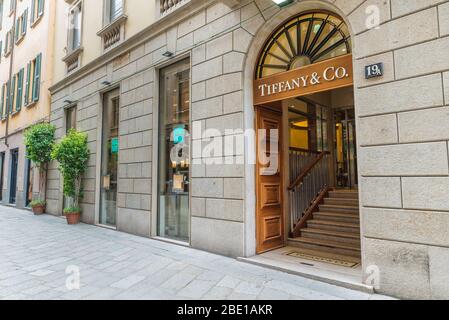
(41, 258)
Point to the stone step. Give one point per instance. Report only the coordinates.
(336, 216)
(329, 235)
(327, 246)
(333, 225)
(337, 208)
(341, 194)
(328, 255)
(341, 202)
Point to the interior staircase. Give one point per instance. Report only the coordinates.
(334, 228)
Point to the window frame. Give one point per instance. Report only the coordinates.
(2, 5)
(107, 17)
(70, 34)
(37, 11)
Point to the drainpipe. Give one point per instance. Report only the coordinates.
(11, 62)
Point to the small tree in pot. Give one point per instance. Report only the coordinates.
(72, 153)
(39, 142)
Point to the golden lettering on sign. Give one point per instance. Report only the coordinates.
(327, 75)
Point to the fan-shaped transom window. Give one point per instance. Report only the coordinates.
(304, 40)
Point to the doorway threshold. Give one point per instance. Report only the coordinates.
(281, 260)
(172, 241)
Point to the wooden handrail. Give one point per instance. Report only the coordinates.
(306, 171)
(308, 214)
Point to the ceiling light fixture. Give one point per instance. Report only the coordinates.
(282, 3)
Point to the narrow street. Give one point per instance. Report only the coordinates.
(39, 256)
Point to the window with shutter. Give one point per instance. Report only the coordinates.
(37, 78)
(7, 98)
(27, 84)
(2, 102)
(40, 7)
(24, 22)
(33, 11)
(12, 92)
(1, 13)
(19, 90)
(17, 30)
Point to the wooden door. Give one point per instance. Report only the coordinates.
(269, 210)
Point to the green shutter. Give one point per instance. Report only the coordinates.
(11, 95)
(24, 22)
(6, 42)
(2, 101)
(19, 90)
(7, 98)
(17, 30)
(33, 12)
(40, 7)
(37, 77)
(27, 85)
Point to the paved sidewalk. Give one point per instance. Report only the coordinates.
(36, 252)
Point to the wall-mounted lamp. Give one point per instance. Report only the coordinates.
(106, 83)
(67, 101)
(282, 3)
(168, 54)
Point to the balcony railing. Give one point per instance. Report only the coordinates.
(168, 6)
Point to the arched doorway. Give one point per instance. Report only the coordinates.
(306, 173)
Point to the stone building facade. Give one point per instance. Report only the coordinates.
(402, 128)
(26, 43)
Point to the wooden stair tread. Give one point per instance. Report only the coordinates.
(327, 255)
(328, 243)
(335, 223)
(333, 233)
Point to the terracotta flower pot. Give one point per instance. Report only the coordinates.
(39, 209)
(73, 218)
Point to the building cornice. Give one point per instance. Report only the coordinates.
(159, 26)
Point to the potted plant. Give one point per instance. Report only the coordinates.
(72, 153)
(39, 142)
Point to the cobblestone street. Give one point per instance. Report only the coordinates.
(36, 252)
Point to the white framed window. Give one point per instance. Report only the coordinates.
(75, 27)
(8, 43)
(113, 9)
(21, 26)
(37, 11)
(1, 13)
(33, 81)
(12, 6)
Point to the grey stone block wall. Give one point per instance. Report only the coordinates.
(401, 119)
(403, 145)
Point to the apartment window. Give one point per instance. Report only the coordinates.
(37, 10)
(75, 17)
(114, 21)
(8, 43)
(3, 101)
(21, 26)
(15, 93)
(114, 9)
(1, 14)
(19, 90)
(12, 6)
(33, 79)
(70, 119)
